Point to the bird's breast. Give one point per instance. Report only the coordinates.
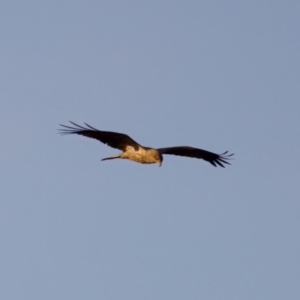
(142, 155)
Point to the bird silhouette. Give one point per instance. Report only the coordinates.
(145, 155)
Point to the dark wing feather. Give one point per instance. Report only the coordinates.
(112, 139)
(214, 159)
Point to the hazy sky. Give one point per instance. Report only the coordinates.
(218, 75)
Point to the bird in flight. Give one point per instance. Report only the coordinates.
(145, 155)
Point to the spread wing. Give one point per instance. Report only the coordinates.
(112, 139)
(214, 159)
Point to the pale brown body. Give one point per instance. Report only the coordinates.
(142, 155)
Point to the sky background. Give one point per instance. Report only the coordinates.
(218, 75)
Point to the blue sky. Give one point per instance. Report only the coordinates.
(218, 75)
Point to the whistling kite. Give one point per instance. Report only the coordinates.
(145, 155)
